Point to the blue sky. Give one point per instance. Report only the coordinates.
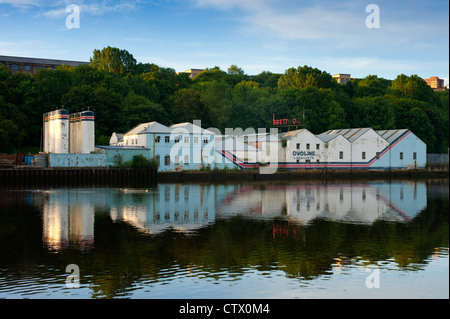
(256, 35)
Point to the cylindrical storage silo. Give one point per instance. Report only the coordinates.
(51, 133)
(87, 132)
(61, 126)
(77, 132)
(46, 133)
(71, 133)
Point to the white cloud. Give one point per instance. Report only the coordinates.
(93, 8)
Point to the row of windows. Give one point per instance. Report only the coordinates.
(27, 67)
(176, 160)
(308, 146)
(167, 140)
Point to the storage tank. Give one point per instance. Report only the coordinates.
(46, 133)
(61, 131)
(51, 133)
(72, 136)
(87, 132)
(77, 132)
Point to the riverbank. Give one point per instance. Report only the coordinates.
(224, 176)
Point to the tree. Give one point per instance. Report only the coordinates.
(371, 85)
(375, 112)
(216, 97)
(113, 60)
(413, 87)
(138, 109)
(186, 106)
(306, 76)
(322, 111)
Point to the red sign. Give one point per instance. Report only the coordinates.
(286, 122)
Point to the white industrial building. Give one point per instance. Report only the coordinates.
(358, 148)
(188, 146)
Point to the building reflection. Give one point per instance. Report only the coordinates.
(349, 203)
(68, 214)
(68, 220)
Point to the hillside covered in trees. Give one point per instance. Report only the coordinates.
(124, 93)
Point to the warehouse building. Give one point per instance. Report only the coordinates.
(359, 148)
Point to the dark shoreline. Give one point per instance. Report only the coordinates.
(116, 177)
(296, 175)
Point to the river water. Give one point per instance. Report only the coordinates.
(371, 239)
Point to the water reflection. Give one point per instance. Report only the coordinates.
(68, 214)
(159, 242)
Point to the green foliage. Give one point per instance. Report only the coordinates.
(124, 93)
(139, 162)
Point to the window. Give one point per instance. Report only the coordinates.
(167, 139)
(186, 139)
(378, 155)
(298, 146)
(186, 159)
(308, 161)
(317, 146)
(177, 159)
(27, 67)
(307, 146)
(196, 140)
(363, 156)
(132, 142)
(157, 139)
(205, 140)
(414, 156)
(14, 67)
(158, 159)
(401, 155)
(136, 142)
(167, 160)
(177, 139)
(341, 155)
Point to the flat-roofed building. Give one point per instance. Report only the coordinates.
(31, 65)
(342, 78)
(435, 83)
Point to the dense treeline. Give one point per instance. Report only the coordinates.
(124, 93)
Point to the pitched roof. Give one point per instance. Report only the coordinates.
(150, 127)
(291, 134)
(190, 128)
(391, 135)
(351, 134)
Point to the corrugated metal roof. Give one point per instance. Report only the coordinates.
(391, 135)
(327, 136)
(291, 134)
(351, 134)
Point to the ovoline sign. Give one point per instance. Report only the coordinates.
(303, 154)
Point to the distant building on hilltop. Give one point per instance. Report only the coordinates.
(193, 72)
(435, 83)
(342, 78)
(32, 65)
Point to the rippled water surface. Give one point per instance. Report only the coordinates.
(378, 239)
